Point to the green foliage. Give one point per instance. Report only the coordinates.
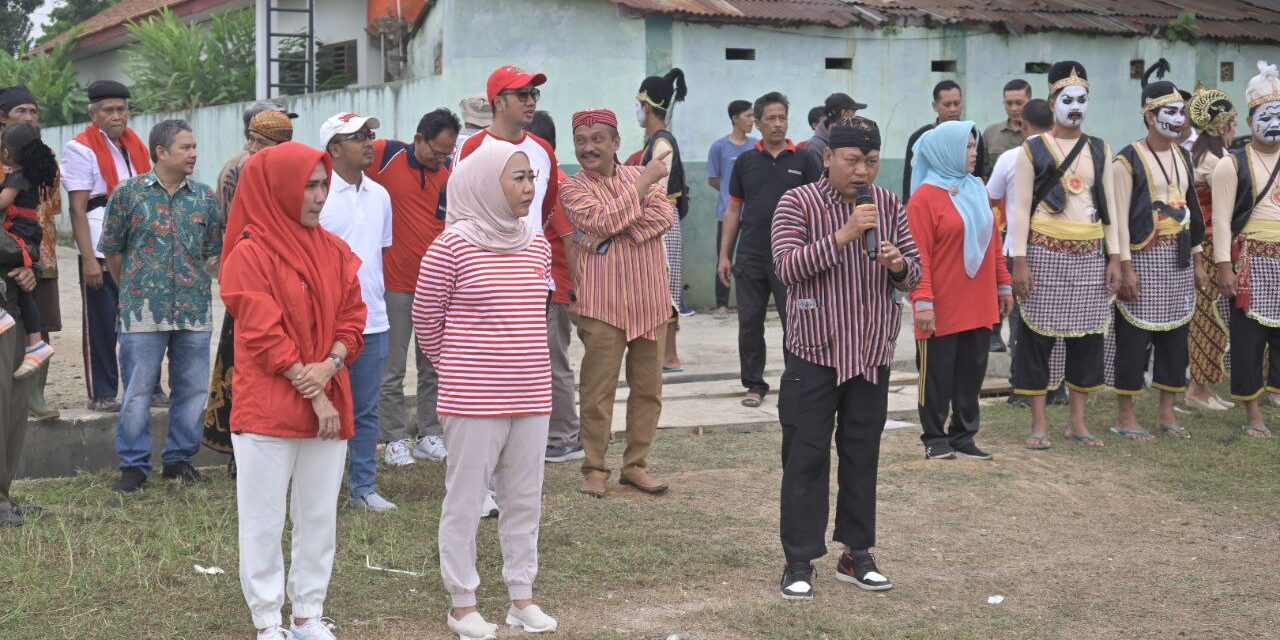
(177, 66)
(15, 25)
(69, 14)
(52, 79)
(1182, 28)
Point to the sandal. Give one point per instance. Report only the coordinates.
(1176, 431)
(1038, 442)
(1087, 440)
(1141, 435)
(666, 369)
(1256, 432)
(752, 400)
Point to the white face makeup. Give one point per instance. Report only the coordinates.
(1171, 119)
(1266, 123)
(1070, 105)
(640, 113)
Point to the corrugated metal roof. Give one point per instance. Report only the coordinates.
(1236, 20)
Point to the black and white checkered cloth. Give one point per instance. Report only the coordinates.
(1264, 290)
(674, 243)
(1070, 296)
(1168, 294)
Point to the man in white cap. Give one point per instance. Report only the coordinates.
(358, 210)
(477, 115)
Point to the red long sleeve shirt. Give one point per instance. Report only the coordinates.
(960, 303)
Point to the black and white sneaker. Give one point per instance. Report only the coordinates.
(972, 452)
(939, 452)
(797, 581)
(859, 568)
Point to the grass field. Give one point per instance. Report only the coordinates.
(1167, 539)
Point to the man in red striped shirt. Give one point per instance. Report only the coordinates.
(842, 323)
(623, 304)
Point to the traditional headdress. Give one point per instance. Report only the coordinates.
(1160, 93)
(589, 117)
(1264, 87)
(1067, 73)
(662, 92)
(857, 131)
(14, 96)
(105, 89)
(272, 125)
(1211, 110)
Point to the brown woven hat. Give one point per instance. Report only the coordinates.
(272, 125)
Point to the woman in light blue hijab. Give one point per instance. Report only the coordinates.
(964, 287)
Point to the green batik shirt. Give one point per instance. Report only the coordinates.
(165, 242)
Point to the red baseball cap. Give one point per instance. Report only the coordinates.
(512, 77)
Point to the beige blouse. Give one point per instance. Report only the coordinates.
(1079, 207)
(1224, 196)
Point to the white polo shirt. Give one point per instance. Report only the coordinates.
(1000, 187)
(361, 215)
(80, 172)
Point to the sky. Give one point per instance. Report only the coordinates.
(41, 16)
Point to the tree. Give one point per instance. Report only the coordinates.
(52, 79)
(69, 14)
(15, 25)
(177, 66)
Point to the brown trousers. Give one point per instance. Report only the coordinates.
(606, 346)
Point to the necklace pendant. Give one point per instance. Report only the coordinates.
(1075, 184)
(1176, 199)
(1275, 196)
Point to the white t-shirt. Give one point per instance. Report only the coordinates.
(1000, 187)
(80, 172)
(361, 215)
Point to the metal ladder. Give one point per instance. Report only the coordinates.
(275, 84)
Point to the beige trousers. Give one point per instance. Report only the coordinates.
(606, 347)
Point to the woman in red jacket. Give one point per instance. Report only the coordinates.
(964, 287)
(292, 289)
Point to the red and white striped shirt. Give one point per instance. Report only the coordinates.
(481, 318)
(840, 307)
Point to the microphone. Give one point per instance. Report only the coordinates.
(871, 237)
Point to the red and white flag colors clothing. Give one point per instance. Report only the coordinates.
(481, 318)
(546, 171)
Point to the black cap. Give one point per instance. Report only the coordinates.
(14, 96)
(104, 89)
(838, 102)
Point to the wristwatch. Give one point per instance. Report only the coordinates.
(336, 360)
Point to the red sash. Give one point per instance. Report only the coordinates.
(135, 150)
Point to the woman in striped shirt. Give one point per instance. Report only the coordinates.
(480, 317)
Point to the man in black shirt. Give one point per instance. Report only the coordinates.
(760, 177)
(948, 103)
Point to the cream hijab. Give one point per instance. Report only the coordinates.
(478, 211)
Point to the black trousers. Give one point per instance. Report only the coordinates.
(722, 291)
(952, 368)
(1171, 357)
(754, 280)
(810, 406)
(101, 306)
(1248, 340)
(1015, 326)
(1085, 357)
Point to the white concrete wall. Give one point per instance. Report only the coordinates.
(335, 21)
(102, 65)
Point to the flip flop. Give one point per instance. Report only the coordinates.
(752, 400)
(1087, 440)
(1038, 442)
(1176, 431)
(1141, 435)
(672, 369)
(1262, 432)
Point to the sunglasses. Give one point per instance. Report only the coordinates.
(359, 136)
(523, 95)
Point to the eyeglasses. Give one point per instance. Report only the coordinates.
(523, 95)
(359, 136)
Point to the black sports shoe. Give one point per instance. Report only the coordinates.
(797, 581)
(859, 568)
(1058, 397)
(939, 452)
(131, 479)
(1018, 400)
(997, 344)
(972, 452)
(183, 471)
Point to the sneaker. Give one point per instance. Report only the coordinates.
(398, 454)
(105, 405)
(34, 358)
(997, 344)
(490, 506)
(159, 400)
(859, 568)
(1018, 400)
(314, 629)
(565, 453)
(797, 581)
(686, 312)
(182, 471)
(371, 502)
(939, 452)
(1058, 397)
(531, 619)
(275, 633)
(972, 452)
(131, 479)
(472, 627)
(431, 448)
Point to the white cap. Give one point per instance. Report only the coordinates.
(1264, 87)
(342, 123)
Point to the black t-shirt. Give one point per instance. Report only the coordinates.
(27, 198)
(758, 182)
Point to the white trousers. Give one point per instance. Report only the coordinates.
(309, 472)
(509, 450)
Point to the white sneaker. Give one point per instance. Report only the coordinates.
(397, 453)
(430, 448)
(473, 627)
(275, 633)
(372, 502)
(490, 506)
(314, 629)
(531, 619)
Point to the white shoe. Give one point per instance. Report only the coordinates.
(275, 633)
(397, 453)
(531, 619)
(473, 627)
(430, 448)
(314, 629)
(490, 506)
(372, 502)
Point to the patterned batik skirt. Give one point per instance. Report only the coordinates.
(674, 243)
(1069, 298)
(217, 411)
(1209, 342)
(1167, 299)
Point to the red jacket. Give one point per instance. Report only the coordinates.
(268, 300)
(960, 303)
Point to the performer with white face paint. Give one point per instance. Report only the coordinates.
(1246, 248)
(1164, 231)
(1066, 261)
